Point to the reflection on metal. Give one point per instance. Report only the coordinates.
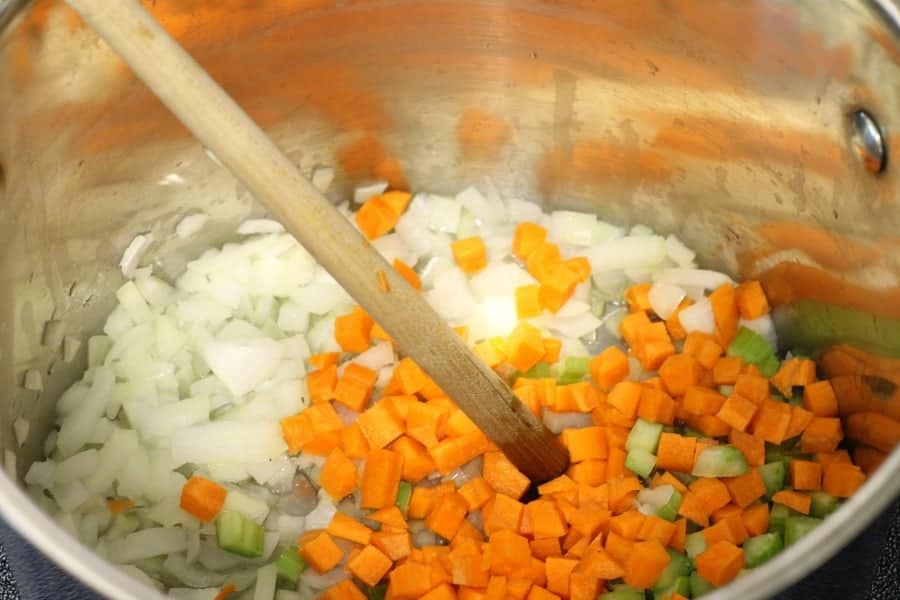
(725, 121)
(867, 142)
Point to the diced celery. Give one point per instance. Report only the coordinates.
(778, 515)
(678, 566)
(761, 548)
(694, 544)
(681, 585)
(622, 592)
(795, 527)
(239, 535)
(688, 432)
(669, 510)
(700, 586)
(574, 369)
(823, 504)
(377, 592)
(644, 435)
(290, 565)
(540, 370)
(404, 492)
(720, 461)
(753, 348)
(685, 478)
(784, 453)
(773, 475)
(640, 462)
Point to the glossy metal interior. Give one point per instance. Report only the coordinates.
(728, 122)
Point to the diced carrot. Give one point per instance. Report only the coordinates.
(542, 259)
(526, 238)
(677, 540)
(322, 444)
(771, 421)
(396, 544)
(353, 442)
(502, 512)
(345, 590)
(324, 360)
(467, 593)
(338, 476)
(477, 492)
(552, 348)
(718, 532)
(378, 333)
(737, 412)
(380, 479)
(656, 528)
(656, 406)
(704, 348)
(585, 443)
(381, 424)
(626, 397)
(376, 217)
(447, 515)
(559, 571)
(584, 587)
(598, 564)
(676, 452)
(410, 376)
(753, 448)
(424, 422)
(874, 429)
(226, 591)
(348, 528)
(720, 563)
(443, 591)
(525, 347)
(822, 435)
(709, 425)
(545, 519)
(589, 472)
(679, 372)
(321, 384)
(666, 478)
(581, 266)
(407, 273)
(117, 507)
(751, 300)
(842, 480)
(609, 367)
(805, 475)
(700, 400)
(638, 297)
(747, 488)
(202, 498)
(409, 581)
(509, 552)
(352, 394)
(417, 462)
(645, 564)
(454, 452)
(727, 369)
(819, 399)
(868, 459)
(627, 524)
(673, 323)
(503, 476)
(838, 456)
(321, 553)
(527, 301)
(756, 519)
(545, 548)
(729, 510)
(725, 311)
(711, 493)
(517, 588)
(470, 254)
(353, 331)
(800, 420)
(557, 286)
(615, 463)
(795, 500)
(369, 565)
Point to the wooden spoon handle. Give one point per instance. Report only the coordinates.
(222, 126)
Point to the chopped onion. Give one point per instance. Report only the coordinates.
(651, 500)
(643, 252)
(133, 254)
(664, 298)
(21, 427)
(255, 226)
(443, 214)
(191, 224)
(148, 543)
(322, 177)
(764, 326)
(557, 421)
(692, 278)
(363, 192)
(576, 228)
(33, 380)
(698, 317)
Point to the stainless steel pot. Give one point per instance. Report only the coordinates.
(764, 132)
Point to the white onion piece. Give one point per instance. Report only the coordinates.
(764, 326)
(227, 442)
(698, 317)
(133, 254)
(312, 580)
(41, 473)
(499, 279)
(265, 582)
(573, 327)
(21, 427)
(557, 421)
(378, 356)
(191, 224)
(651, 500)
(33, 380)
(255, 226)
(77, 466)
(451, 297)
(443, 214)
(678, 253)
(368, 190)
(242, 365)
(644, 252)
(664, 298)
(692, 278)
(604, 232)
(322, 177)
(321, 515)
(487, 211)
(570, 227)
(148, 543)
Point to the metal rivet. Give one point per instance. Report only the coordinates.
(867, 142)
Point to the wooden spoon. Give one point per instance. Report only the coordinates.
(222, 126)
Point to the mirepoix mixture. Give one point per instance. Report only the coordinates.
(249, 432)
